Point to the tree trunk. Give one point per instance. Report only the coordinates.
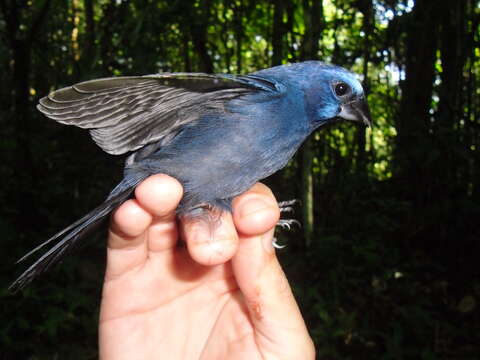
(198, 34)
(313, 13)
(448, 128)
(278, 32)
(366, 8)
(413, 121)
(20, 41)
(89, 51)
(186, 53)
(239, 33)
(307, 155)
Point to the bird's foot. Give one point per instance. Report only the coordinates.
(286, 206)
(287, 223)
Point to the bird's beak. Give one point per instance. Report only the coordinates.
(356, 110)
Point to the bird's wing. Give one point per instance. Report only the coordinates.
(125, 113)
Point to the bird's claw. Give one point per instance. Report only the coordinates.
(286, 206)
(286, 209)
(287, 223)
(276, 245)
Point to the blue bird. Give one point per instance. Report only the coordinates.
(216, 134)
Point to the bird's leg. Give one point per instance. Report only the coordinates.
(286, 207)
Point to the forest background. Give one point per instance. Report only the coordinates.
(386, 265)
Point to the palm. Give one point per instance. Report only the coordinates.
(160, 303)
(171, 285)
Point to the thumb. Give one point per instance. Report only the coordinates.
(280, 330)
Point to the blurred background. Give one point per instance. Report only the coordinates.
(386, 265)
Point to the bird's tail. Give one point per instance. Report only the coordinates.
(66, 240)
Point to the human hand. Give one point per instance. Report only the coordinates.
(222, 296)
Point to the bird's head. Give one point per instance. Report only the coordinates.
(334, 93)
(331, 92)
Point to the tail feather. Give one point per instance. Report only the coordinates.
(70, 236)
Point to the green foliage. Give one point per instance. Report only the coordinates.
(391, 271)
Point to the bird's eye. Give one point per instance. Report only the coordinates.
(341, 89)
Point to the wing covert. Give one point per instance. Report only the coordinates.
(125, 113)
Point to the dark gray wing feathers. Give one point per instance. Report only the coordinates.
(125, 113)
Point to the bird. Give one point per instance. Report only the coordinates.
(217, 134)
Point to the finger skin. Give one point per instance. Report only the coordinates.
(153, 208)
(211, 238)
(159, 195)
(269, 298)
